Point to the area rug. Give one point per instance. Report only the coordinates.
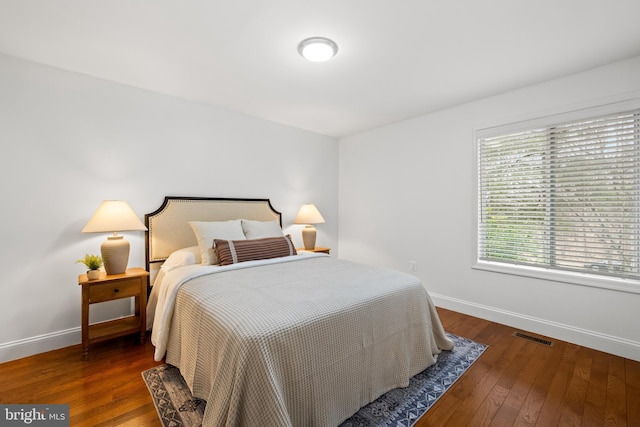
(401, 407)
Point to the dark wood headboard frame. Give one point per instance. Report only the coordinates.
(184, 209)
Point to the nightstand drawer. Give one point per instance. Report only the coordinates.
(110, 291)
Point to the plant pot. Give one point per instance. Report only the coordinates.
(93, 274)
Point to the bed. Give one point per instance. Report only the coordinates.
(284, 339)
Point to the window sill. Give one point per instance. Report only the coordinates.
(583, 279)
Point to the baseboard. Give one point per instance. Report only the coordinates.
(603, 342)
(607, 343)
(39, 344)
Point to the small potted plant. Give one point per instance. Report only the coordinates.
(93, 263)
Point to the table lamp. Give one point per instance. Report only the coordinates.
(114, 216)
(309, 214)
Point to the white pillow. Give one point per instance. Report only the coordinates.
(206, 231)
(261, 229)
(182, 257)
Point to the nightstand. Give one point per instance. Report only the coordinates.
(316, 249)
(132, 283)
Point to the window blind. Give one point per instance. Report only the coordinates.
(564, 196)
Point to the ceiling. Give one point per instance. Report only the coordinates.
(397, 59)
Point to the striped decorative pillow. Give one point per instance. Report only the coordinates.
(234, 251)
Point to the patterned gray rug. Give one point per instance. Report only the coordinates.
(401, 407)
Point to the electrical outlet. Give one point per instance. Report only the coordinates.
(413, 266)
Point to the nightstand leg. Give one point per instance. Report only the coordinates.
(85, 322)
(142, 300)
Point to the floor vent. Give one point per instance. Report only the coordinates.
(534, 339)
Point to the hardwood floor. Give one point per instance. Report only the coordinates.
(105, 390)
(516, 382)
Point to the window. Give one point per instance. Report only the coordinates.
(562, 197)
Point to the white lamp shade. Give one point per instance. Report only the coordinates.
(114, 215)
(308, 214)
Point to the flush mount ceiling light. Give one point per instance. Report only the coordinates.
(317, 49)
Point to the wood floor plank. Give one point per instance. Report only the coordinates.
(514, 383)
(593, 414)
(531, 408)
(572, 408)
(506, 375)
(632, 380)
(496, 361)
(616, 401)
(554, 391)
(532, 359)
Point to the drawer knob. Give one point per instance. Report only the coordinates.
(116, 290)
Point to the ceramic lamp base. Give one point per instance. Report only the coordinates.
(309, 237)
(115, 254)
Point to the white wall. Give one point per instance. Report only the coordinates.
(70, 141)
(406, 193)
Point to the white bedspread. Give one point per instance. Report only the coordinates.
(162, 298)
(299, 341)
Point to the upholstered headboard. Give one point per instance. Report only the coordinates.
(169, 229)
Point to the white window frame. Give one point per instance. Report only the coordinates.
(578, 278)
